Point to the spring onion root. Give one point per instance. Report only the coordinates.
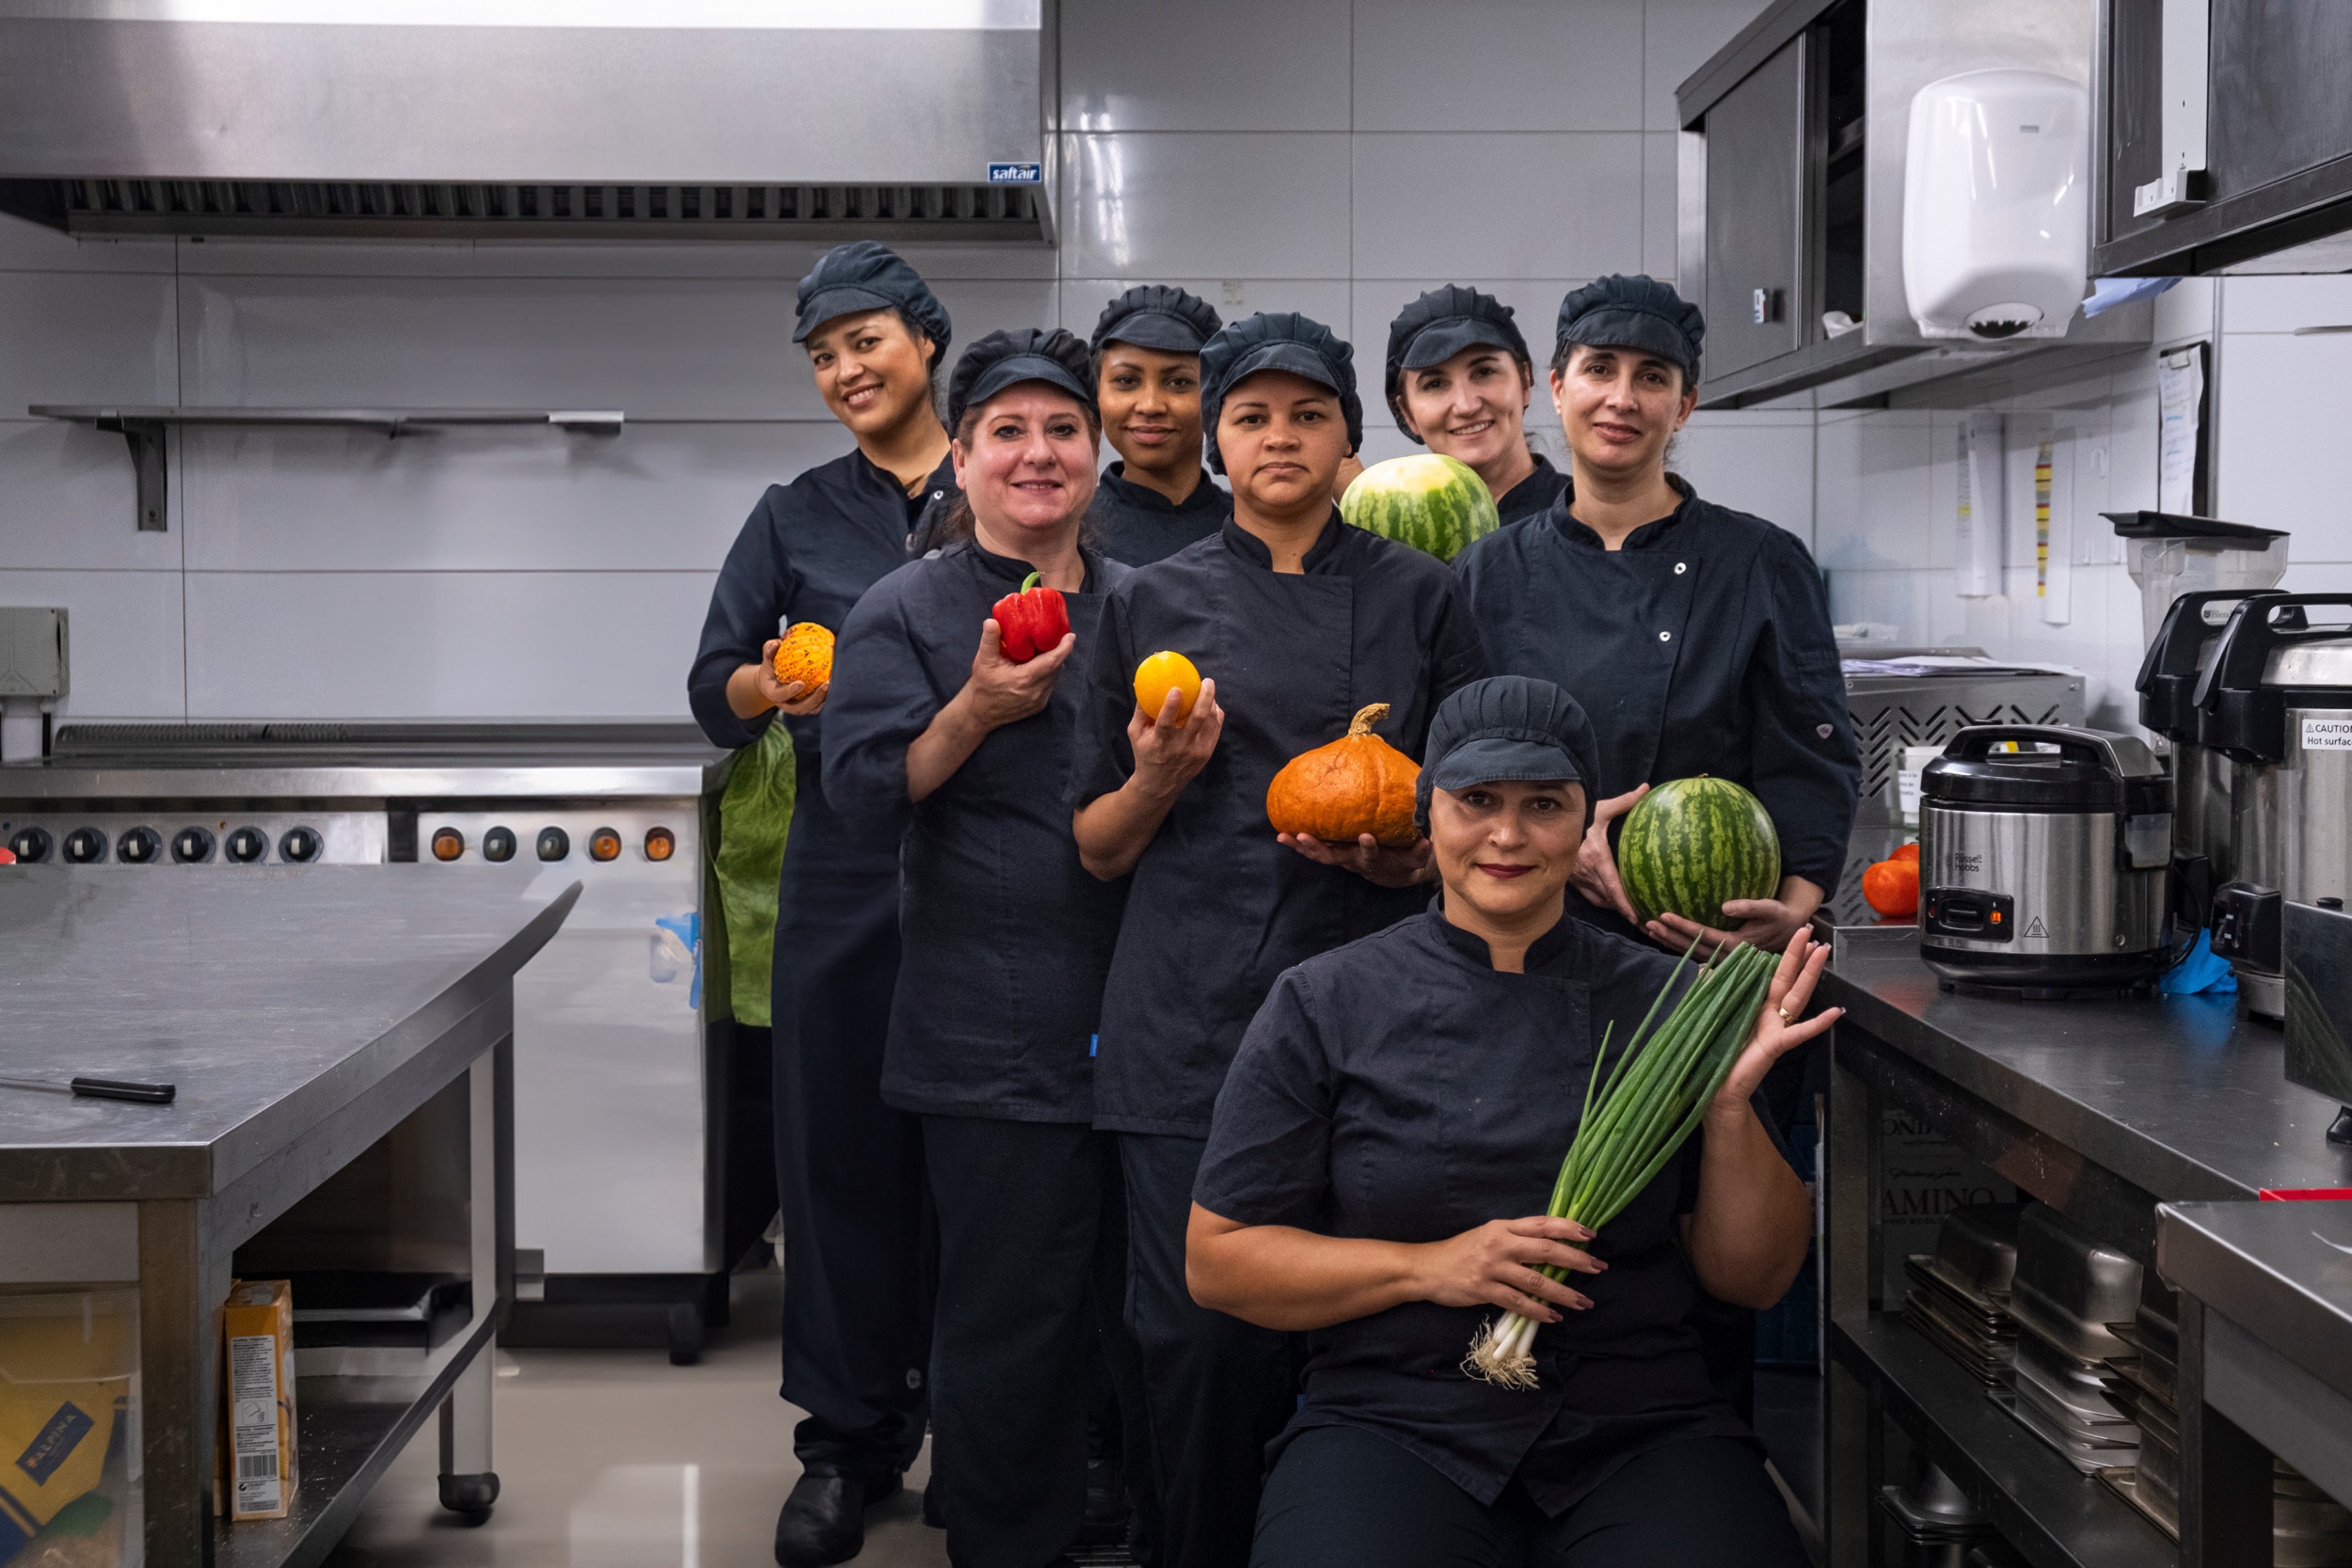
(1636, 1117)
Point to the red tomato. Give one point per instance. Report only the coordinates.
(1892, 887)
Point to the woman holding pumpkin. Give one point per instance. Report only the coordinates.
(1300, 625)
(952, 715)
(857, 1323)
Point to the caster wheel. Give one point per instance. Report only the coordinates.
(471, 1497)
(686, 1335)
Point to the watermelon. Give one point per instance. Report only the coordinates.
(1691, 844)
(1431, 502)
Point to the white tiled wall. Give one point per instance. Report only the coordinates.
(1885, 519)
(1330, 156)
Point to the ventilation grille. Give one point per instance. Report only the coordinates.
(394, 210)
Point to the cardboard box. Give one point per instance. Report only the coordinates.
(258, 1393)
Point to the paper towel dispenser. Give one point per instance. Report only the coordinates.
(1996, 217)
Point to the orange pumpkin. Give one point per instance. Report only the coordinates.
(804, 653)
(1161, 673)
(1358, 784)
(1892, 887)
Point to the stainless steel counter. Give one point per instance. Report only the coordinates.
(304, 1014)
(2105, 1109)
(2271, 1285)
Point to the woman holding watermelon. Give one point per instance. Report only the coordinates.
(1298, 622)
(857, 1322)
(953, 715)
(1459, 381)
(1375, 1182)
(1698, 638)
(1158, 497)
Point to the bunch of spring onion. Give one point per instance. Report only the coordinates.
(1637, 1117)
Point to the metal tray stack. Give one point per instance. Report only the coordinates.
(1938, 1526)
(2069, 1291)
(1959, 1295)
(2308, 1529)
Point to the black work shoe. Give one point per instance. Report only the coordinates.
(823, 1521)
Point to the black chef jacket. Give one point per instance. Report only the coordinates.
(1399, 1089)
(1219, 907)
(1702, 646)
(1532, 495)
(1007, 936)
(1135, 524)
(807, 551)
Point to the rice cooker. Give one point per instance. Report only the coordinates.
(2277, 697)
(2044, 860)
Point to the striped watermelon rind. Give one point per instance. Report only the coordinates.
(1691, 844)
(1433, 502)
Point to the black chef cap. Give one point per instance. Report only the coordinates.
(864, 276)
(1004, 359)
(1154, 315)
(1617, 311)
(1276, 340)
(1506, 727)
(1440, 325)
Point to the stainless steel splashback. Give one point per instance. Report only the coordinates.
(692, 119)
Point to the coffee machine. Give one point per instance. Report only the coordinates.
(2276, 697)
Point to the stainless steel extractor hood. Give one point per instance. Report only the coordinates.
(530, 119)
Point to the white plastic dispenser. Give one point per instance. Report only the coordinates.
(1996, 212)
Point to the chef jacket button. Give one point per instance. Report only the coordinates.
(1680, 567)
(1665, 637)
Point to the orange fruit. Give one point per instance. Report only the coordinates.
(1162, 673)
(804, 653)
(1908, 852)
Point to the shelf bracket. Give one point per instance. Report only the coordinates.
(148, 462)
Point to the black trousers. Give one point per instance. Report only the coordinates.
(1215, 1390)
(1344, 1497)
(1026, 1209)
(858, 1246)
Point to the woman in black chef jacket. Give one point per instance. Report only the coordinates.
(1697, 638)
(960, 727)
(1296, 621)
(857, 1322)
(1376, 1178)
(1156, 499)
(1459, 380)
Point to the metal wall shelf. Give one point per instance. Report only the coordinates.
(143, 427)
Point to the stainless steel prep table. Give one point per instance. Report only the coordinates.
(2102, 1108)
(305, 1013)
(2267, 1318)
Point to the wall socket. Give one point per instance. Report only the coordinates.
(33, 652)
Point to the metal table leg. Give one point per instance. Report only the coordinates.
(2225, 1474)
(470, 1484)
(1850, 1274)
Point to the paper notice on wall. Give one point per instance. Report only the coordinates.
(1983, 516)
(2180, 396)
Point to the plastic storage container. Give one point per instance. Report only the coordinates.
(69, 1490)
(2170, 554)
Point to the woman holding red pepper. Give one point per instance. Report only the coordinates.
(949, 711)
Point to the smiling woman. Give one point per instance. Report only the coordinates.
(940, 728)
(1459, 382)
(1158, 497)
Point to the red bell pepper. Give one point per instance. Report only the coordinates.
(1031, 620)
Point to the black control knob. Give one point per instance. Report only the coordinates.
(139, 846)
(499, 844)
(245, 846)
(31, 845)
(84, 847)
(192, 845)
(448, 844)
(554, 844)
(298, 845)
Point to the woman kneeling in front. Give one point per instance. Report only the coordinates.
(1376, 1175)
